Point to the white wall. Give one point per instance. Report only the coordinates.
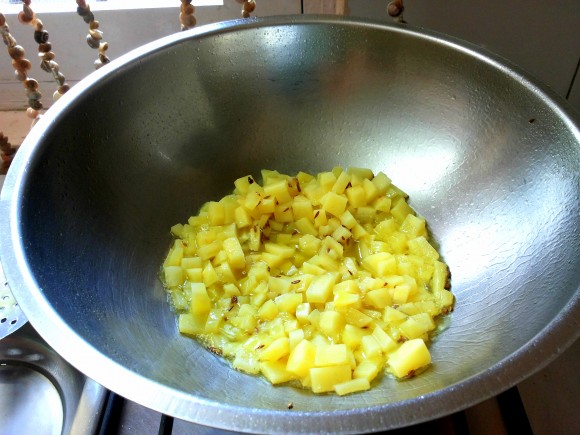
(541, 37)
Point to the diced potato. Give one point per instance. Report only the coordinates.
(334, 204)
(332, 355)
(331, 323)
(323, 379)
(314, 279)
(174, 276)
(234, 252)
(320, 288)
(275, 350)
(301, 359)
(275, 372)
(409, 357)
(352, 386)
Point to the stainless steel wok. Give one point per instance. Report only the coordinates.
(491, 159)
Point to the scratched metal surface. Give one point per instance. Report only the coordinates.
(489, 158)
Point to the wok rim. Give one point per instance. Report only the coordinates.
(545, 347)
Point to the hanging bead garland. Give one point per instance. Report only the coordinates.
(95, 36)
(7, 152)
(395, 9)
(21, 67)
(248, 7)
(186, 17)
(47, 56)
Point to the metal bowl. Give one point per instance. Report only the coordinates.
(491, 159)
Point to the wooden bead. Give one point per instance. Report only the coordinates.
(96, 34)
(20, 75)
(32, 113)
(31, 84)
(35, 104)
(23, 18)
(187, 21)
(2, 20)
(44, 47)
(63, 89)
(40, 36)
(188, 9)
(21, 64)
(103, 47)
(45, 66)
(395, 8)
(48, 56)
(249, 6)
(37, 24)
(93, 25)
(92, 42)
(16, 52)
(34, 95)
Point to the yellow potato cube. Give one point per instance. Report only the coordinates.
(323, 379)
(331, 323)
(371, 190)
(191, 325)
(320, 288)
(361, 173)
(242, 184)
(234, 252)
(301, 358)
(356, 318)
(344, 298)
(380, 264)
(386, 343)
(357, 196)
(288, 302)
(352, 335)
(174, 276)
(295, 337)
(341, 182)
(334, 203)
(400, 209)
(379, 298)
(332, 355)
(209, 275)
(268, 311)
(352, 386)
(279, 190)
(275, 372)
(408, 358)
(302, 312)
(368, 369)
(302, 208)
(417, 325)
(216, 213)
(370, 347)
(200, 301)
(305, 226)
(421, 247)
(175, 254)
(277, 349)
(242, 217)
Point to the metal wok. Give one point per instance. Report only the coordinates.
(490, 158)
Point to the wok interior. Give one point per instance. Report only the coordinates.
(491, 166)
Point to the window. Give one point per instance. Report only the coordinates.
(15, 6)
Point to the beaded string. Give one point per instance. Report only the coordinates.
(47, 56)
(248, 7)
(186, 17)
(95, 36)
(21, 67)
(395, 9)
(7, 152)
